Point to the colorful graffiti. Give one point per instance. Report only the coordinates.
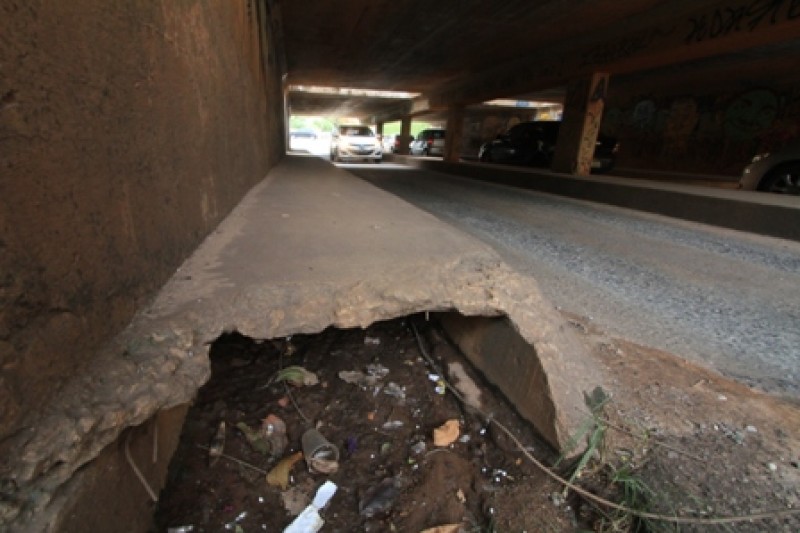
(706, 133)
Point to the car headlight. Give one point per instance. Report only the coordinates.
(759, 157)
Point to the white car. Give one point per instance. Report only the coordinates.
(355, 143)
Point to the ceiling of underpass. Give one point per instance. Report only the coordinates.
(471, 51)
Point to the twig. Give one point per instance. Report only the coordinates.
(655, 442)
(289, 393)
(597, 499)
(235, 460)
(142, 480)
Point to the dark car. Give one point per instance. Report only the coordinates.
(533, 144)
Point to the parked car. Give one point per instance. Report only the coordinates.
(301, 139)
(534, 143)
(428, 142)
(777, 171)
(391, 143)
(355, 143)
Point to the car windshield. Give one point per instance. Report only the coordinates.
(356, 131)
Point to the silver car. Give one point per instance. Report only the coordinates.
(355, 143)
(777, 171)
(428, 142)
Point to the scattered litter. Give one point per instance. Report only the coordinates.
(447, 528)
(356, 377)
(498, 475)
(395, 391)
(465, 385)
(279, 475)
(374, 341)
(380, 498)
(722, 398)
(297, 376)
(269, 439)
(393, 424)
(274, 429)
(180, 529)
(386, 447)
(446, 434)
(751, 429)
(309, 521)
(233, 525)
(217, 445)
(441, 387)
(377, 370)
(463, 439)
(284, 402)
(419, 448)
(351, 445)
(254, 438)
(460, 496)
(294, 501)
(321, 456)
(772, 467)
(557, 498)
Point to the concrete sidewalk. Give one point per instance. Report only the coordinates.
(311, 246)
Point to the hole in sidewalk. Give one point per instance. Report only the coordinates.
(378, 400)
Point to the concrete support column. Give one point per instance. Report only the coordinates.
(286, 116)
(405, 135)
(455, 134)
(583, 112)
(379, 128)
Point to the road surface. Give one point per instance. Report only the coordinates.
(725, 299)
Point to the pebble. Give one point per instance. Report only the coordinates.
(772, 467)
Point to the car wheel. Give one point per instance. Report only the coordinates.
(784, 179)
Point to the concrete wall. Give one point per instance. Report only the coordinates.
(128, 130)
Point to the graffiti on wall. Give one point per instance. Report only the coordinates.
(709, 133)
(739, 17)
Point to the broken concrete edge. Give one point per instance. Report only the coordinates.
(119, 499)
(161, 361)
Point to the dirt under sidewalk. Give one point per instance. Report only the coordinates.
(701, 445)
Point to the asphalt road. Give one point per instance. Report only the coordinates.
(726, 299)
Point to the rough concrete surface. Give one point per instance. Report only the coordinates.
(123, 143)
(309, 247)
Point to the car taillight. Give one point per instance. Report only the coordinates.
(430, 141)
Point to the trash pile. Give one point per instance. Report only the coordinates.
(351, 430)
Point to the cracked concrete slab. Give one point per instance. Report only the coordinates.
(311, 246)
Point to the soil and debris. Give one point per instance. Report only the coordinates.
(403, 454)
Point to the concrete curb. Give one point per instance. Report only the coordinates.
(753, 212)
